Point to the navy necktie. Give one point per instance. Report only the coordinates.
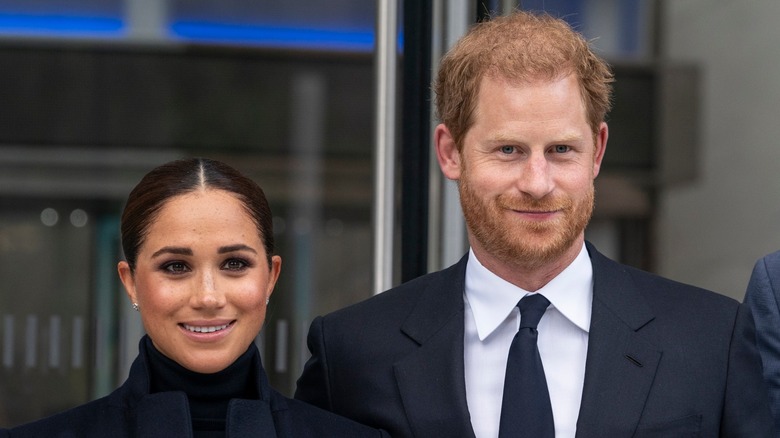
(526, 410)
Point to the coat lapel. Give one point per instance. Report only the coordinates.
(164, 415)
(250, 418)
(621, 361)
(157, 415)
(431, 380)
(167, 414)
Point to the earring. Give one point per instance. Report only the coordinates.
(135, 306)
(267, 300)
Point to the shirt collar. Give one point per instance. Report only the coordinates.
(492, 299)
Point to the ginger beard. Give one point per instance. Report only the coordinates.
(515, 241)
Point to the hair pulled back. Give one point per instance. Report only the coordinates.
(180, 177)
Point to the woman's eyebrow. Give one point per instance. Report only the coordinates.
(172, 250)
(237, 247)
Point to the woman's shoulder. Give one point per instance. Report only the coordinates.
(92, 419)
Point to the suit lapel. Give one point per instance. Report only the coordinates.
(431, 380)
(619, 371)
(621, 362)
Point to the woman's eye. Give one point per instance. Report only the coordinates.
(176, 267)
(507, 149)
(235, 265)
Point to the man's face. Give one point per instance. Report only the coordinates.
(526, 171)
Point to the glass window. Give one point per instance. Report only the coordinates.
(332, 25)
(45, 264)
(617, 28)
(75, 19)
(83, 120)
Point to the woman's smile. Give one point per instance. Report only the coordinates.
(206, 328)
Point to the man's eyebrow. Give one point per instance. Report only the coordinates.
(172, 250)
(508, 137)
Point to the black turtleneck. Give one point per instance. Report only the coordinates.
(208, 394)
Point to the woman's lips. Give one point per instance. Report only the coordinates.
(206, 328)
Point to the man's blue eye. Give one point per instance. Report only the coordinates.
(507, 149)
(561, 148)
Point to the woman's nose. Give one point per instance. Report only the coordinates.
(206, 293)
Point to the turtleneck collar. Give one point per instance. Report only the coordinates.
(208, 394)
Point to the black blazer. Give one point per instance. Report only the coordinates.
(664, 359)
(763, 298)
(131, 411)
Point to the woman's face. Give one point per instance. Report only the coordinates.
(202, 280)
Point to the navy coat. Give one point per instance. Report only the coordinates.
(664, 360)
(131, 411)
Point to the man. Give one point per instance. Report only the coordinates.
(763, 298)
(624, 353)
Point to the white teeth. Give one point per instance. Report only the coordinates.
(211, 329)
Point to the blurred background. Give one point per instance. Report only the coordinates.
(326, 104)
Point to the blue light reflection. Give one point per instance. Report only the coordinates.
(61, 25)
(361, 40)
(276, 36)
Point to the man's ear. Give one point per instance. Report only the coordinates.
(447, 152)
(600, 148)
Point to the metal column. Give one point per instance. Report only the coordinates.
(384, 162)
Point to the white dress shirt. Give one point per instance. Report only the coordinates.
(491, 321)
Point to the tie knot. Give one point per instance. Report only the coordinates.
(532, 307)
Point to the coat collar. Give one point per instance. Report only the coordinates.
(167, 414)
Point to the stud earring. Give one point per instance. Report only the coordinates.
(267, 300)
(135, 306)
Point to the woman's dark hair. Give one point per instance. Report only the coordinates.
(181, 177)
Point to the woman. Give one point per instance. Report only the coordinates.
(200, 268)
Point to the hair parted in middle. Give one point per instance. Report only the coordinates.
(184, 176)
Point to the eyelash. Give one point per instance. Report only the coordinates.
(169, 267)
(244, 264)
(179, 268)
(507, 150)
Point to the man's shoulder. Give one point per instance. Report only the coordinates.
(303, 419)
(661, 291)
(768, 266)
(764, 285)
(685, 305)
(399, 300)
(772, 258)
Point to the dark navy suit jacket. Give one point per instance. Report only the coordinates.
(763, 297)
(131, 411)
(664, 359)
